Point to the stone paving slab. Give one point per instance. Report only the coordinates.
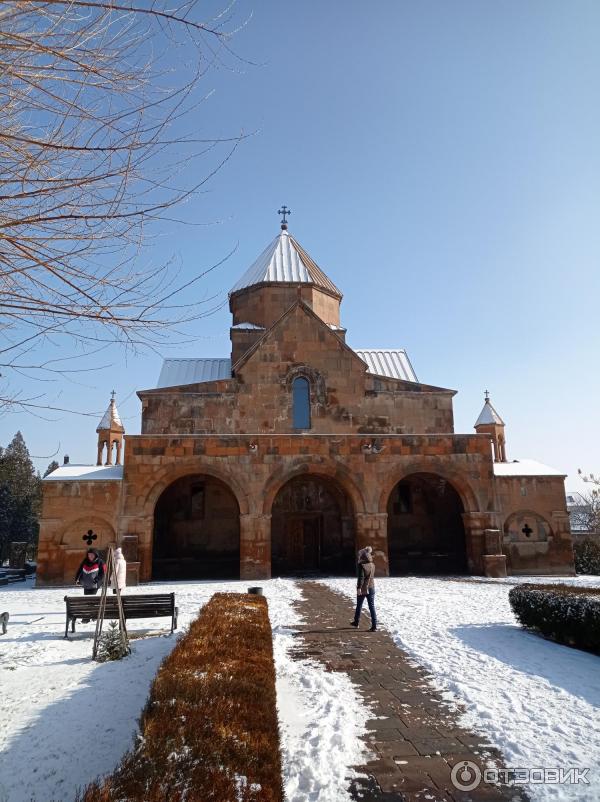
(414, 738)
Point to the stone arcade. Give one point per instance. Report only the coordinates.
(287, 456)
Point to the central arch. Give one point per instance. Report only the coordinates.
(312, 528)
(196, 530)
(426, 534)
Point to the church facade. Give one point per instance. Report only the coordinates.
(286, 456)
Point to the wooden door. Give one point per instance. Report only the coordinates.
(311, 542)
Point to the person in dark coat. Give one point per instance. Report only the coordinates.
(365, 587)
(90, 573)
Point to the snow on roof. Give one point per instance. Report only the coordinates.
(285, 260)
(576, 499)
(248, 326)
(391, 362)
(191, 371)
(525, 467)
(111, 418)
(86, 473)
(489, 415)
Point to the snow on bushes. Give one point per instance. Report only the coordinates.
(587, 556)
(567, 614)
(209, 731)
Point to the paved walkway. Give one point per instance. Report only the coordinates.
(415, 739)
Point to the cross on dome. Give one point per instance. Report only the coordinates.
(284, 211)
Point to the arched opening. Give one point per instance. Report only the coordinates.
(196, 531)
(426, 534)
(312, 528)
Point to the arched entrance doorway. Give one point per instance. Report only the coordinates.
(425, 527)
(196, 531)
(312, 528)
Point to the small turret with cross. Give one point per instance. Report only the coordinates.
(110, 434)
(490, 423)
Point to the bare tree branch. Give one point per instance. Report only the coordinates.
(92, 98)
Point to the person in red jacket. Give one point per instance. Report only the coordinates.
(90, 573)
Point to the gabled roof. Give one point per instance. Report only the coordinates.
(285, 261)
(191, 371)
(111, 420)
(302, 305)
(488, 415)
(391, 362)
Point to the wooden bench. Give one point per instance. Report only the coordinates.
(12, 575)
(142, 605)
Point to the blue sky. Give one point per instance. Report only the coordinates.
(442, 164)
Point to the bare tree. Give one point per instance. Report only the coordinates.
(586, 516)
(95, 98)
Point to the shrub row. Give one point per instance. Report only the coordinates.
(587, 556)
(209, 731)
(567, 614)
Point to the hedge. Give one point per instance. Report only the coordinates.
(587, 555)
(209, 731)
(567, 614)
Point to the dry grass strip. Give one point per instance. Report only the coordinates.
(209, 731)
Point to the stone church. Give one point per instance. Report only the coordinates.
(293, 451)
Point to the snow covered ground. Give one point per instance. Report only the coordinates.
(538, 701)
(64, 719)
(321, 715)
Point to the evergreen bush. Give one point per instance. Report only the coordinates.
(567, 614)
(587, 556)
(111, 645)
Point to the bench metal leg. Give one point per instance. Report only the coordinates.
(67, 629)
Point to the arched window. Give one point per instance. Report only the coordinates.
(301, 403)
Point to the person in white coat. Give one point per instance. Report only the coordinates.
(120, 571)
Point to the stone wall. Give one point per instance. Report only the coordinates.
(69, 510)
(256, 467)
(264, 304)
(535, 524)
(344, 398)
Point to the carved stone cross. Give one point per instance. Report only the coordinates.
(527, 530)
(90, 537)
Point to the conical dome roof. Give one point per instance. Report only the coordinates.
(285, 261)
(488, 415)
(111, 420)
